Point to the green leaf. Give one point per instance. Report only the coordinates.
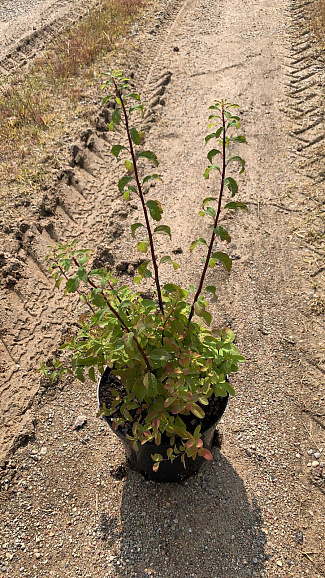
(199, 241)
(164, 230)
(211, 289)
(159, 357)
(238, 139)
(82, 274)
(213, 135)
(197, 410)
(134, 95)
(150, 382)
(236, 205)
(142, 246)
(134, 227)
(207, 317)
(209, 169)
(123, 182)
(144, 271)
(116, 149)
(238, 160)
(155, 209)
(207, 200)
(150, 156)
(223, 258)
(150, 177)
(72, 285)
(116, 116)
(232, 185)
(210, 211)
(228, 388)
(168, 259)
(129, 343)
(129, 166)
(136, 136)
(126, 195)
(212, 154)
(222, 233)
(171, 288)
(199, 308)
(139, 390)
(157, 457)
(91, 373)
(137, 107)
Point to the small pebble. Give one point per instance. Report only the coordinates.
(310, 452)
(317, 455)
(80, 422)
(315, 464)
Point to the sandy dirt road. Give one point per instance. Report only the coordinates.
(70, 506)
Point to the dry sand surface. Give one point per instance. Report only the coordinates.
(70, 506)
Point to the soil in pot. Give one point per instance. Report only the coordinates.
(141, 460)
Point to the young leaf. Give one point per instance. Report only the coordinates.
(238, 160)
(236, 205)
(225, 259)
(129, 343)
(206, 454)
(207, 317)
(82, 274)
(159, 357)
(207, 200)
(232, 185)
(72, 285)
(150, 177)
(123, 182)
(144, 271)
(134, 227)
(209, 169)
(129, 166)
(136, 136)
(142, 246)
(214, 135)
(116, 116)
(211, 289)
(155, 209)
(164, 230)
(238, 139)
(135, 96)
(211, 212)
(168, 259)
(150, 382)
(197, 410)
(116, 149)
(222, 233)
(212, 154)
(199, 241)
(150, 156)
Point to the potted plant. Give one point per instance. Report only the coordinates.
(164, 374)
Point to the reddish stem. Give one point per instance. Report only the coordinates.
(136, 174)
(213, 236)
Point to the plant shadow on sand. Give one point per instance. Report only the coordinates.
(168, 528)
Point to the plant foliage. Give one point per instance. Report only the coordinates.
(169, 363)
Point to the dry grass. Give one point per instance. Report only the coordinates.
(33, 104)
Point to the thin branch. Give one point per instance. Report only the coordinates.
(213, 236)
(136, 174)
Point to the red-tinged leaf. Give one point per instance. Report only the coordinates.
(199, 444)
(155, 467)
(206, 454)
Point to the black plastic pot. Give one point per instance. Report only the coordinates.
(141, 460)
